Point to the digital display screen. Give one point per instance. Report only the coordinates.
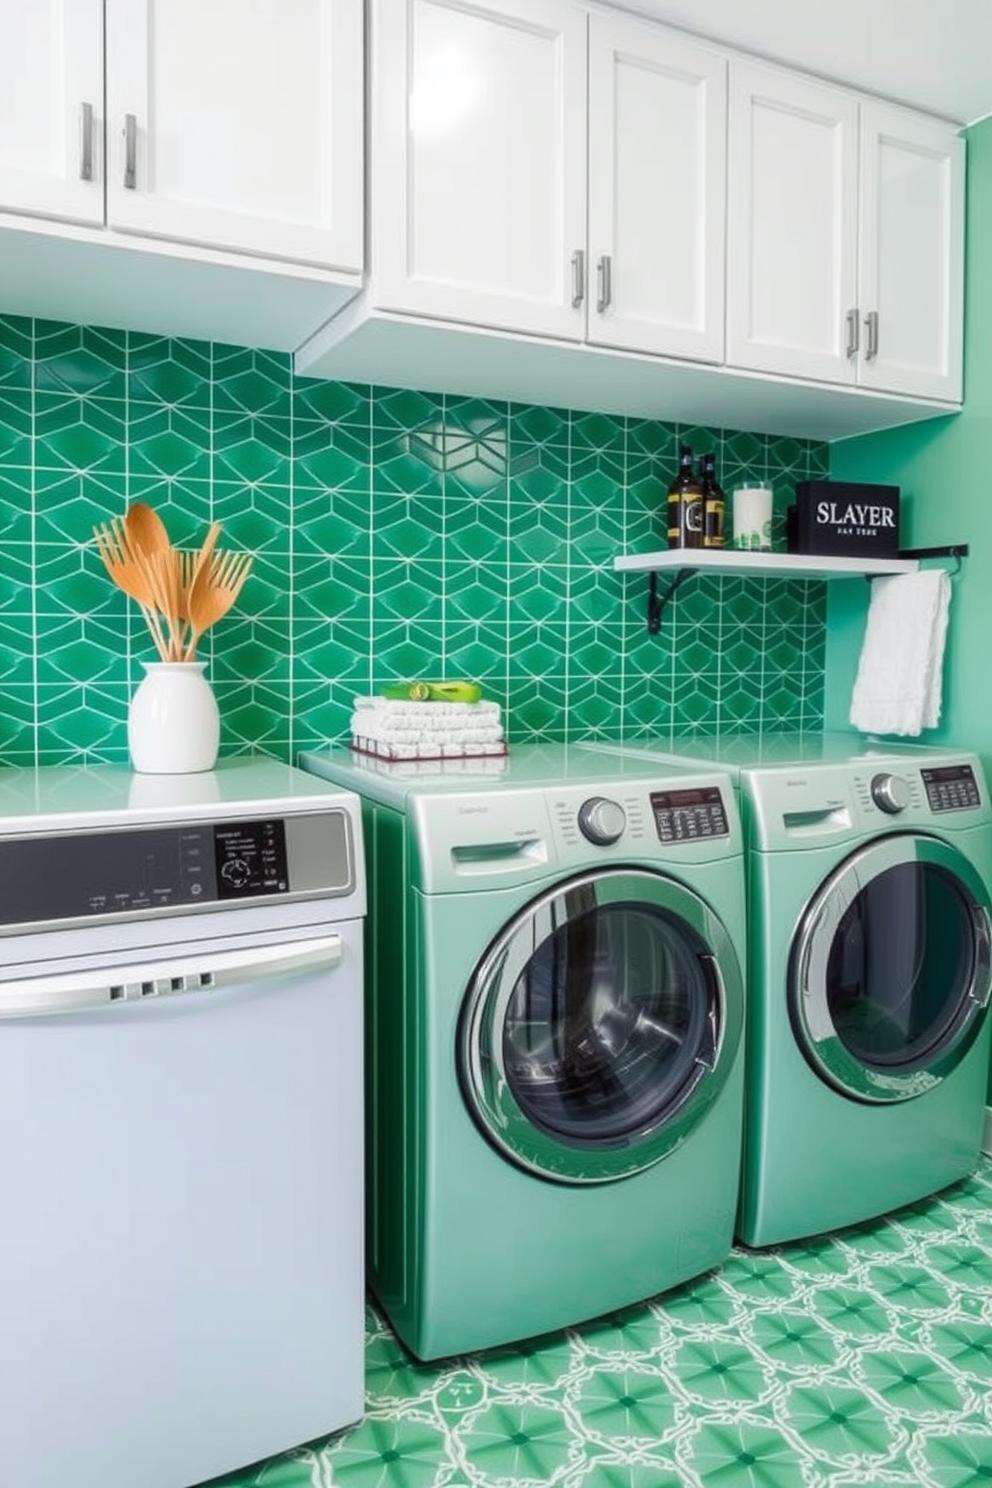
(944, 774)
(680, 799)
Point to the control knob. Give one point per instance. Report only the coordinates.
(236, 872)
(602, 821)
(890, 793)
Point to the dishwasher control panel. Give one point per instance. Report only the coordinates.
(68, 877)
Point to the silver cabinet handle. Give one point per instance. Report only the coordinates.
(86, 142)
(853, 319)
(578, 277)
(871, 326)
(130, 152)
(604, 276)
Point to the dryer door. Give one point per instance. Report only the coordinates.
(889, 976)
(600, 1025)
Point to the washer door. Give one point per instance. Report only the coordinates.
(889, 977)
(600, 1026)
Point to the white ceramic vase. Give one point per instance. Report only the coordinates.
(173, 723)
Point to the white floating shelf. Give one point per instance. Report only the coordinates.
(761, 565)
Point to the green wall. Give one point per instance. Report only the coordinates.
(398, 535)
(943, 468)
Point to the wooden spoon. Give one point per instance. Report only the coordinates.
(145, 528)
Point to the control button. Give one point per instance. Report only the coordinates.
(601, 821)
(236, 872)
(890, 793)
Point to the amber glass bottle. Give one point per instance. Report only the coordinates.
(685, 505)
(714, 506)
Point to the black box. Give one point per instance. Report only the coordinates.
(846, 519)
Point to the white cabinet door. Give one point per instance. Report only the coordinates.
(792, 224)
(912, 253)
(238, 126)
(657, 175)
(51, 108)
(478, 162)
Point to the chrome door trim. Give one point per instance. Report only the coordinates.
(811, 945)
(486, 1085)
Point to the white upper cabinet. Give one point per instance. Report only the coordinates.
(493, 146)
(51, 108)
(227, 126)
(657, 171)
(478, 161)
(792, 224)
(845, 237)
(912, 253)
(238, 127)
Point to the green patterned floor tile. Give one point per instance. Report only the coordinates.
(752, 1375)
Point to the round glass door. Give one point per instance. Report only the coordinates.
(890, 972)
(600, 1025)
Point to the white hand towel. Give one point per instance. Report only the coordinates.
(427, 714)
(897, 690)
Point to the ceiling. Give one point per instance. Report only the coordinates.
(930, 54)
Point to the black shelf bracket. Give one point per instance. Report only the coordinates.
(957, 551)
(951, 550)
(657, 603)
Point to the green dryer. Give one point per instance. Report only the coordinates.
(554, 1016)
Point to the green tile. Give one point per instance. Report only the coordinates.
(331, 456)
(403, 650)
(331, 522)
(16, 499)
(17, 650)
(255, 519)
(407, 529)
(69, 503)
(538, 595)
(176, 373)
(333, 402)
(169, 443)
(489, 530)
(16, 449)
(82, 360)
(331, 588)
(538, 426)
(254, 382)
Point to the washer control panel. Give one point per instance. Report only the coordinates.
(951, 788)
(687, 815)
(68, 877)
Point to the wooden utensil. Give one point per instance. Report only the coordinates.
(129, 574)
(145, 528)
(212, 593)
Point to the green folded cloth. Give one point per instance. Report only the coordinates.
(433, 692)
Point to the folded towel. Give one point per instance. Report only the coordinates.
(427, 715)
(431, 750)
(897, 690)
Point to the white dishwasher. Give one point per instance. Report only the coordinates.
(181, 1233)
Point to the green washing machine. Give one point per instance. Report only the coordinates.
(868, 1040)
(555, 1008)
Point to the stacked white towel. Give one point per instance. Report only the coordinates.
(405, 730)
(898, 685)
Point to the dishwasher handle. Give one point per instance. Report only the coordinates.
(68, 992)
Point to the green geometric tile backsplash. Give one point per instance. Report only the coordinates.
(397, 535)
